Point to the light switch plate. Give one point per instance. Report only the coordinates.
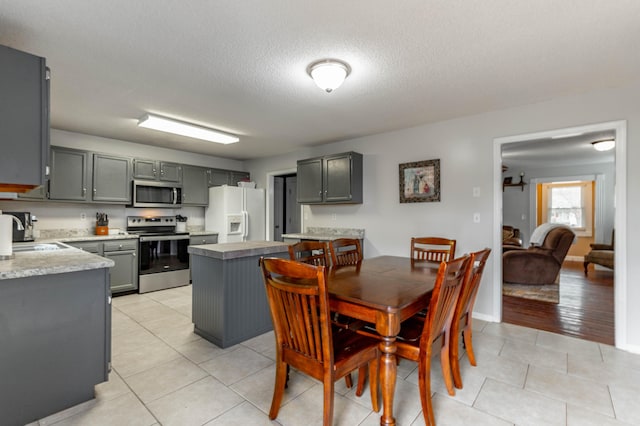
(476, 191)
(476, 218)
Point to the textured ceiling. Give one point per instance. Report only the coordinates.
(240, 65)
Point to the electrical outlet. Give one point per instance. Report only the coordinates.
(476, 218)
(476, 191)
(83, 216)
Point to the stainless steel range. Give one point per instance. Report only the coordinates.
(162, 252)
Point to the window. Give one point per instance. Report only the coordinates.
(569, 203)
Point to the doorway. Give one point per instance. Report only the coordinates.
(619, 216)
(286, 210)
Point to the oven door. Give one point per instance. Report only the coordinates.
(163, 253)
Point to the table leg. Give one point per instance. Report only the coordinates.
(388, 372)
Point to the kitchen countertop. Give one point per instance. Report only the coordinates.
(46, 262)
(225, 251)
(327, 234)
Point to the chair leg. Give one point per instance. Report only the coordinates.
(362, 375)
(374, 372)
(467, 335)
(349, 381)
(446, 367)
(586, 264)
(278, 389)
(327, 417)
(454, 359)
(424, 383)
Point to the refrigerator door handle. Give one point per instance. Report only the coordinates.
(245, 225)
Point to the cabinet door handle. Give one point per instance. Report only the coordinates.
(133, 254)
(84, 191)
(120, 246)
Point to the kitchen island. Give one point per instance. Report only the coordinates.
(229, 300)
(55, 330)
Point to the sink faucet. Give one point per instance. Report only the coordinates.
(19, 227)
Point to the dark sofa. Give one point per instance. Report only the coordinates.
(540, 264)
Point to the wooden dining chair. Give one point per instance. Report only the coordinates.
(299, 304)
(311, 252)
(434, 329)
(345, 251)
(462, 318)
(432, 249)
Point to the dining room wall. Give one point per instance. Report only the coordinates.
(465, 148)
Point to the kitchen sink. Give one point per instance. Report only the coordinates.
(18, 248)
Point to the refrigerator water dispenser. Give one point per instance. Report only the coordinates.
(234, 224)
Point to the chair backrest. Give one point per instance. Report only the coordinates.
(311, 252)
(345, 251)
(298, 300)
(471, 284)
(443, 301)
(558, 241)
(432, 249)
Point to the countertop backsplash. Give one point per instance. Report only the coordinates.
(71, 220)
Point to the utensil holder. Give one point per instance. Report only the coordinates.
(102, 230)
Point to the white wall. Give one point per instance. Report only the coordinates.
(464, 147)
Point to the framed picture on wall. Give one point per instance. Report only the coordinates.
(420, 181)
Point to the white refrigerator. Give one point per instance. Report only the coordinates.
(236, 214)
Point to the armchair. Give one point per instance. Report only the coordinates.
(600, 254)
(511, 236)
(538, 264)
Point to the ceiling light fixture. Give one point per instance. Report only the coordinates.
(604, 145)
(182, 128)
(329, 74)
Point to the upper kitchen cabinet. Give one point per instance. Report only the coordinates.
(332, 179)
(74, 177)
(24, 120)
(157, 170)
(195, 188)
(219, 177)
(69, 176)
(111, 179)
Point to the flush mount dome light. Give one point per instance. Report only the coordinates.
(183, 128)
(329, 74)
(604, 145)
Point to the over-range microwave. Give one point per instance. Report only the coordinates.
(156, 194)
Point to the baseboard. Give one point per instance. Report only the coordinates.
(575, 258)
(484, 317)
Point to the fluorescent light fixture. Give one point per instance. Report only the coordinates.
(566, 135)
(169, 125)
(605, 145)
(328, 74)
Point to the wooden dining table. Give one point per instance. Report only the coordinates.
(384, 291)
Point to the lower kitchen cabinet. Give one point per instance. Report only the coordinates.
(203, 239)
(124, 275)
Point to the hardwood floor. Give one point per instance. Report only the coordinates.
(585, 310)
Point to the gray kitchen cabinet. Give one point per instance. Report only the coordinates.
(145, 169)
(24, 119)
(40, 193)
(195, 188)
(170, 172)
(235, 177)
(195, 240)
(56, 342)
(218, 177)
(111, 179)
(69, 174)
(124, 275)
(157, 170)
(332, 179)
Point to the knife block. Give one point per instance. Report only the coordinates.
(102, 230)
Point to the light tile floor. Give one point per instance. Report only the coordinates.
(164, 374)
